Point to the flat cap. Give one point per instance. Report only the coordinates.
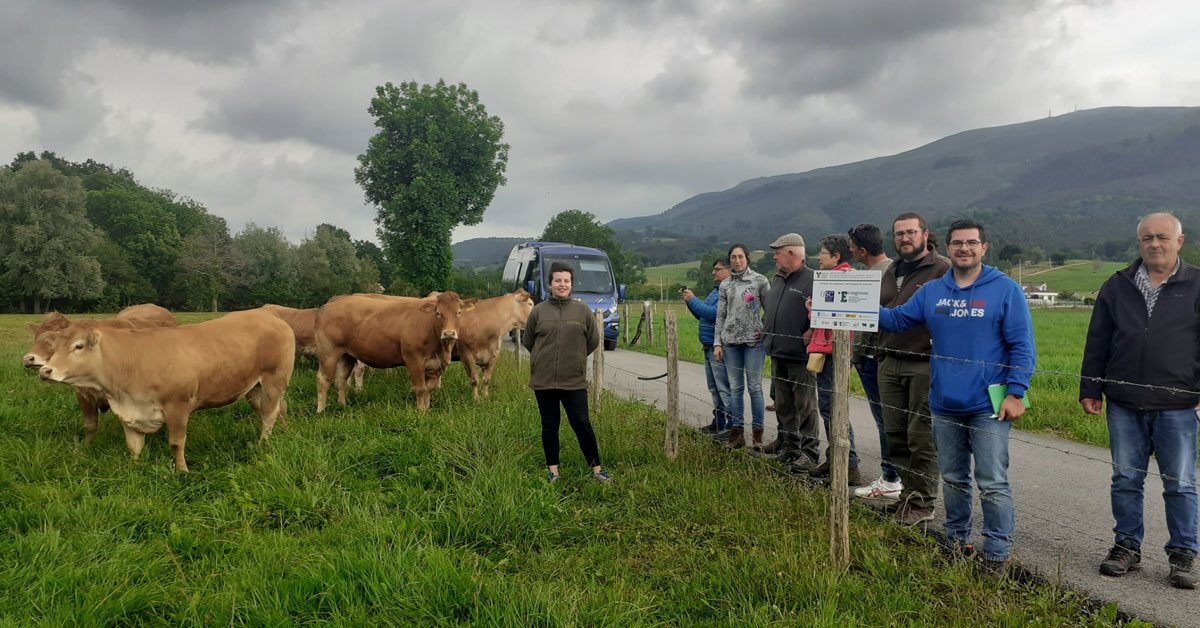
(788, 239)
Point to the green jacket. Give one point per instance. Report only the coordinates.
(560, 334)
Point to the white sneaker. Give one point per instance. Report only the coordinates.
(880, 489)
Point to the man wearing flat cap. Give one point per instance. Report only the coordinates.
(785, 329)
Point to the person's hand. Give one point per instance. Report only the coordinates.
(1011, 408)
(719, 354)
(1091, 406)
(688, 295)
(808, 303)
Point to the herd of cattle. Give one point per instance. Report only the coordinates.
(151, 371)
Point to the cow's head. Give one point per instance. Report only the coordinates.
(522, 305)
(446, 307)
(44, 337)
(75, 357)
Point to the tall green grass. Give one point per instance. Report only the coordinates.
(378, 515)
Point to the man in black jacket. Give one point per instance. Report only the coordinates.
(1143, 354)
(785, 327)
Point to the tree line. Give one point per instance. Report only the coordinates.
(86, 236)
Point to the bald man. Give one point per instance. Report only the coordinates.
(1143, 356)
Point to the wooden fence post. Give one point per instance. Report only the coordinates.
(650, 322)
(839, 455)
(519, 346)
(625, 324)
(598, 362)
(671, 443)
(648, 317)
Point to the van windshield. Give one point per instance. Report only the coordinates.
(592, 274)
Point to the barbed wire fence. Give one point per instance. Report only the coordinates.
(1056, 518)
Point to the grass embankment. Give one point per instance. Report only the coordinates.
(376, 514)
(1058, 333)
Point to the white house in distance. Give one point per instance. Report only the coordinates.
(1039, 294)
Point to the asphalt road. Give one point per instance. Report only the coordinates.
(1060, 488)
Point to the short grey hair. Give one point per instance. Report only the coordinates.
(1178, 225)
(799, 250)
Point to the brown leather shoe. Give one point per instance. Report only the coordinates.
(758, 437)
(770, 407)
(737, 438)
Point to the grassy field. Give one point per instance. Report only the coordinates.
(377, 515)
(1080, 278)
(1059, 334)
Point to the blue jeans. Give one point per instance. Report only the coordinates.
(868, 375)
(744, 366)
(825, 405)
(959, 438)
(718, 385)
(1171, 436)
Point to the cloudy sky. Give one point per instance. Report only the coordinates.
(257, 108)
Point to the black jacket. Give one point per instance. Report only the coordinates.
(787, 315)
(1124, 344)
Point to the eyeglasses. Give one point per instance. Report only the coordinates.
(970, 244)
(911, 233)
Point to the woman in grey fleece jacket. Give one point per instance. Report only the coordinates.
(737, 341)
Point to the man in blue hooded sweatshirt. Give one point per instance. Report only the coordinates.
(982, 335)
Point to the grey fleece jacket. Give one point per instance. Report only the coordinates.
(740, 309)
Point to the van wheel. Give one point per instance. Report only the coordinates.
(610, 345)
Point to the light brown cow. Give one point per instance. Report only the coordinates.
(45, 335)
(383, 333)
(304, 327)
(481, 330)
(153, 377)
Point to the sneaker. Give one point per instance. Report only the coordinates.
(820, 471)
(1122, 558)
(910, 514)
(551, 476)
(602, 476)
(880, 490)
(956, 548)
(1181, 571)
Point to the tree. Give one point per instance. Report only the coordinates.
(1058, 259)
(329, 266)
(434, 164)
(46, 251)
(370, 252)
(209, 267)
(582, 229)
(270, 271)
(1009, 252)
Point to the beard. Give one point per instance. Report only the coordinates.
(919, 249)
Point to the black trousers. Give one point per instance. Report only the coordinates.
(575, 402)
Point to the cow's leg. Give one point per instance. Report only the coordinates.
(469, 366)
(487, 374)
(325, 373)
(134, 440)
(176, 419)
(91, 414)
(420, 386)
(359, 369)
(270, 404)
(341, 376)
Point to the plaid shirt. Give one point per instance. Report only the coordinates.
(1142, 279)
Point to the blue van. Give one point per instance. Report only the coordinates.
(528, 267)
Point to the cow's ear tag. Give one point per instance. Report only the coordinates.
(470, 307)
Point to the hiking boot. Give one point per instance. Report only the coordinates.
(602, 476)
(820, 471)
(551, 477)
(1122, 558)
(994, 569)
(880, 490)
(853, 476)
(1181, 576)
(737, 438)
(910, 514)
(710, 429)
(773, 448)
(757, 432)
(956, 548)
(801, 463)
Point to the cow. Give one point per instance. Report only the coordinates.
(481, 330)
(45, 335)
(304, 326)
(383, 333)
(158, 376)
